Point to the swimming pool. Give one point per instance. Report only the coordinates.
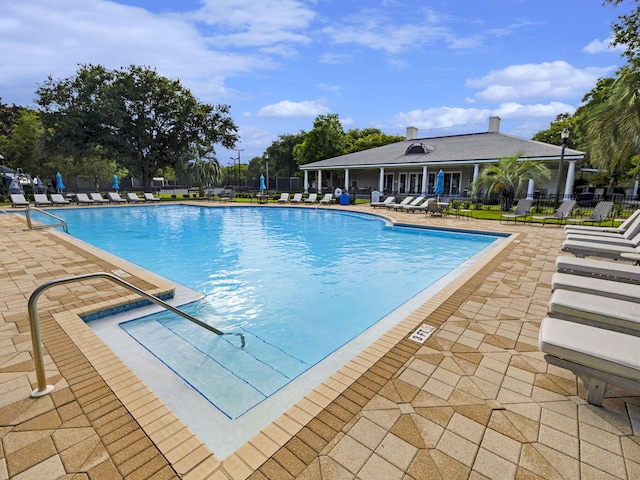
(299, 282)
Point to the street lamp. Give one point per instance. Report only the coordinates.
(565, 136)
(266, 161)
(237, 171)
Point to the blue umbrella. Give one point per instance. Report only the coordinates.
(115, 185)
(59, 184)
(262, 185)
(439, 188)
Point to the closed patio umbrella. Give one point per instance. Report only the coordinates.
(262, 185)
(59, 184)
(439, 188)
(116, 185)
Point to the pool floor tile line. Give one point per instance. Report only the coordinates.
(475, 400)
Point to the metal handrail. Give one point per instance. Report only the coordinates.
(43, 388)
(28, 211)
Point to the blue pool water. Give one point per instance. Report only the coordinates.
(298, 282)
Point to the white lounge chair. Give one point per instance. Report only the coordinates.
(327, 199)
(133, 198)
(18, 200)
(616, 249)
(413, 203)
(596, 229)
(149, 197)
(58, 199)
(297, 198)
(599, 357)
(98, 198)
(284, 198)
(629, 237)
(41, 200)
(313, 198)
(83, 199)
(597, 310)
(405, 201)
(588, 267)
(115, 197)
(417, 206)
(522, 211)
(596, 286)
(384, 203)
(560, 215)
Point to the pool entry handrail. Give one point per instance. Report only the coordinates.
(43, 388)
(30, 209)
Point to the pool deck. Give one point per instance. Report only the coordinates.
(476, 400)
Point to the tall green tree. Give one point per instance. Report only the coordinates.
(326, 140)
(625, 31)
(509, 178)
(280, 155)
(358, 140)
(145, 121)
(24, 147)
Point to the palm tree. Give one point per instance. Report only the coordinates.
(204, 170)
(509, 177)
(613, 127)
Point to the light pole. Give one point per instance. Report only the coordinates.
(266, 161)
(237, 171)
(565, 136)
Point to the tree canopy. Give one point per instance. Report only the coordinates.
(143, 120)
(325, 140)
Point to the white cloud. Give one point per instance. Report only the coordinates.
(289, 109)
(602, 46)
(513, 110)
(530, 82)
(441, 117)
(247, 23)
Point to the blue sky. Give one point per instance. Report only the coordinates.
(442, 66)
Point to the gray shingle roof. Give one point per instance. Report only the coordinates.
(468, 148)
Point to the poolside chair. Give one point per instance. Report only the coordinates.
(384, 203)
(83, 199)
(58, 199)
(596, 286)
(588, 352)
(313, 198)
(18, 200)
(149, 197)
(284, 198)
(521, 211)
(297, 198)
(597, 229)
(616, 250)
(115, 197)
(417, 207)
(405, 201)
(327, 199)
(624, 238)
(599, 214)
(589, 267)
(413, 203)
(133, 198)
(98, 198)
(41, 200)
(560, 215)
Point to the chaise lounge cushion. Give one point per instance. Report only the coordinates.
(604, 350)
(598, 268)
(596, 286)
(601, 311)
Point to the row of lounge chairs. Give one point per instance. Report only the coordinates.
(561, 215)
(593, 323)
(57, 199)
(312, 198)
(410, 204)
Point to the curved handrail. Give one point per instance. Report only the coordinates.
(28, 211)
(34, 323)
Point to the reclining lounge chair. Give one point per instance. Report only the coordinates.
(384, 203)
(18, 200)
(560, 215)
(522, 211)
(596, 229)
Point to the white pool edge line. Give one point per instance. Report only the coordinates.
(284, 427)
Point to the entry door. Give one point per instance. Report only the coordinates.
(402, 183)
(388, 182)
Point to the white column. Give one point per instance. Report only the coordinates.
(425, 181)
(530, 190)
(568, 185)
(346, 179)
(635, 188)
(381, 180)
(476, 171)
(319, 181)
(306, 181)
